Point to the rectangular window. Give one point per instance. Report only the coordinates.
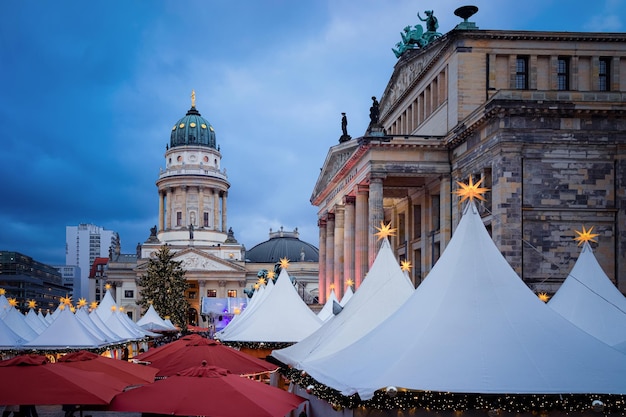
(562, 74)
(179, 218)
(211, 293)
(205, 219)
(232, 293)
(129, 294)
(401, 228)
(192, 295)
(521, 73)
(417, 221)
(435, 207)
(604, 74)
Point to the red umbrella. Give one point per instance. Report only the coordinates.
(207, 391)
(167, 349)
(32, 379)
(197, 350)
(129, 373)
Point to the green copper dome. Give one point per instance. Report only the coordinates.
(193, 129)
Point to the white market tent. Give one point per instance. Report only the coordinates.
(151, 321)
(8, 338)
(103, 332)
(327, 311)
(281, 317)
(17, 322)
(346, 297)
(473, 326)
(255, 301)
(385, 288)
(66, 331)
(591, 301)
(35, 322)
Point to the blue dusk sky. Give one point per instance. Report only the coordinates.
(90, 90)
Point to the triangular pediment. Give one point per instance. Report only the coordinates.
(335, 160)
(196, 260)
(411, 66)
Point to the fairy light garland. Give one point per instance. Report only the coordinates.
(494, 404)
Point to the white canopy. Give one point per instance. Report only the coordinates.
(8, 338)
(591, 301)
(102, 332)
(17, 322)
(33, 320)
(255, 301)
(346, 296)
(66, 331)
(327, 311)
(473, 326)
(153, 322)
(281, 316)
(384, 289)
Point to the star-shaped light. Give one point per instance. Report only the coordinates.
(32, 304)
(271, 275)
(256, 286)
(121, 308)
(471, 191)
(405, 265)
(261, 281)
(107, 286)
(331, 286)
(12, 302)
(543, 297)
(586, 236)
(67, 300)
(82, 302)
(349, 283)
(3, 291)
(113, 308)
(385, 231)
(284, 263)
(93, 305)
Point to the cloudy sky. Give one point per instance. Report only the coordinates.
(89, 91)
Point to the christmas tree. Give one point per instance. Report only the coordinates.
(163, 285)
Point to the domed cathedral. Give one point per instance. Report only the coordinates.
(303, 262)
(536, 117)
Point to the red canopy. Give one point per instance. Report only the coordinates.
(198, 349)
(129, 373)
(32, 379)
(167, 349)
(207, 391)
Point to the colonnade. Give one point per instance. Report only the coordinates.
(347, 241)
(166, 198)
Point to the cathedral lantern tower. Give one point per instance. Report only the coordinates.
(193, 187)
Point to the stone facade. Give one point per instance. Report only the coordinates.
(539, 116)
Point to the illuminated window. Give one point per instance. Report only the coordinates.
(211, 293)
(232, 293)
(129, 294)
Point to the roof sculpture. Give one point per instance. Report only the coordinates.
(193, 129)
(589, 299)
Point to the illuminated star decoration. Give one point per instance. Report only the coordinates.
(82, 303)
(67, 300)
(93, 305)
(385, 231)
(261, 281)
(284, 263)
(12, 302)
(32, 304)
(586, 236)
(270, 275)
(107, 286)
(405, 265)
(543, 297)
(3, 291)
(471, 191)
(349, 283)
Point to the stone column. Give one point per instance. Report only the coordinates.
(161, 209)
(216, 209)
(361, 235)
(224, 197)
(348, 240)
(201, 293)
(321, 223)
(376, 216)
(330, 251)
(338, 255)
(168, 213)
(200, 206)
(184, 209)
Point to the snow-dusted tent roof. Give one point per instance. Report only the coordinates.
(473, 326)
(153, 322)
(281, 317)
(591, 301)
(384, 289)
(327, 311)
(66, 331)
